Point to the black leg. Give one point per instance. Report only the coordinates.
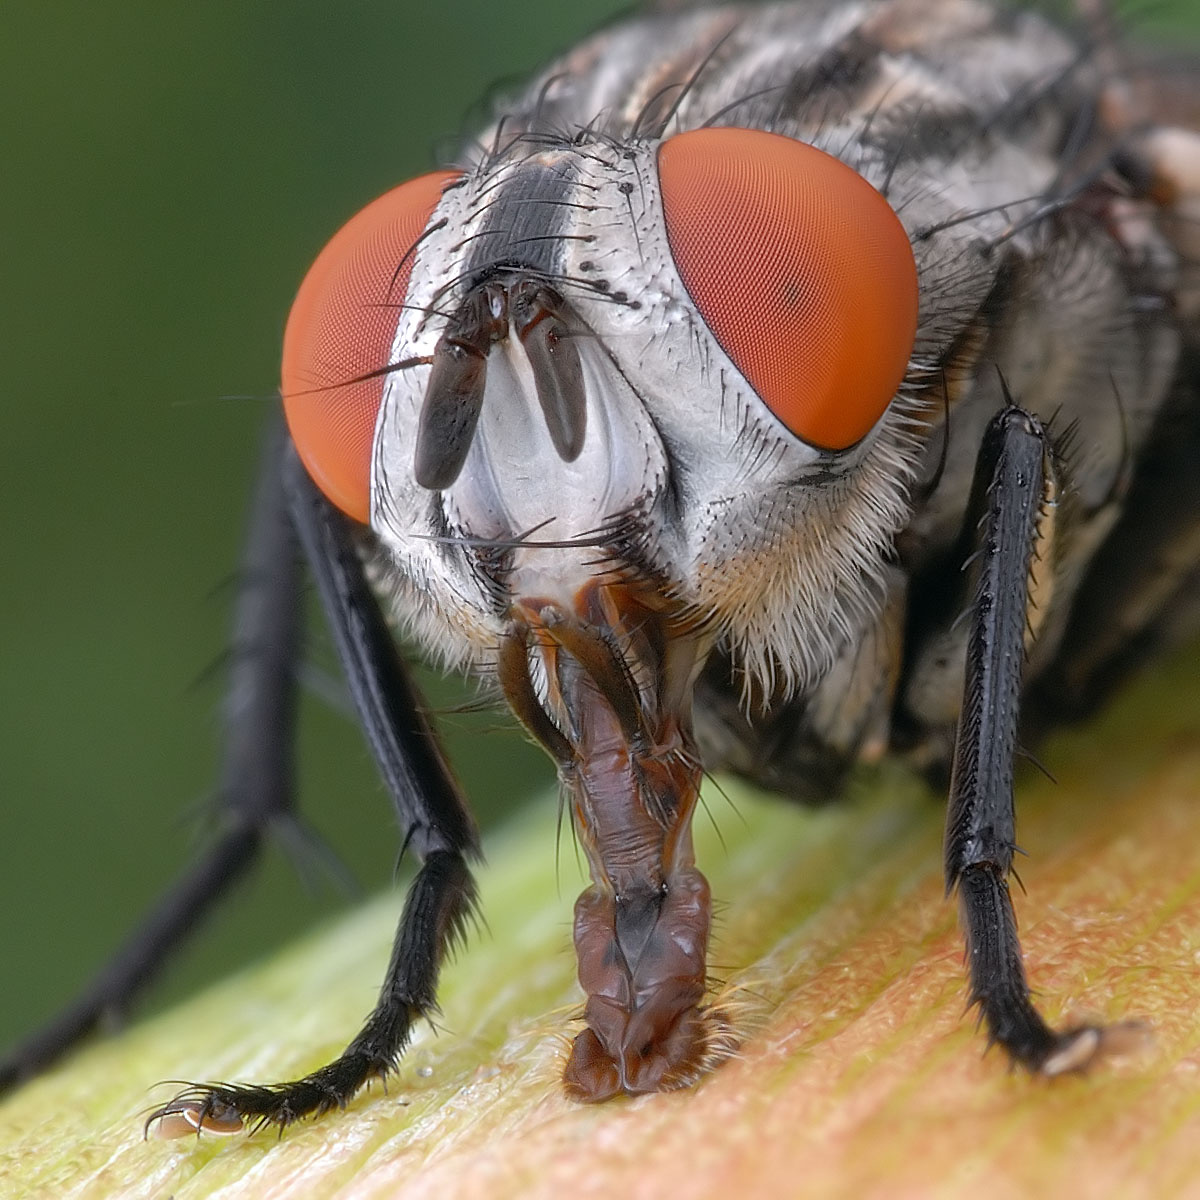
(1013, 496)
(256, 782)
(433, 817)
(429, 806)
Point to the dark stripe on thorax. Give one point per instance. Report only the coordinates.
(525, 221)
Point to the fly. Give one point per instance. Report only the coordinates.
(673, 414)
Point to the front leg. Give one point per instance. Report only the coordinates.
(1013, 504)
(434, 820)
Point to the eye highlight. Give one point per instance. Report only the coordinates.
(341, 328)
(800, 269)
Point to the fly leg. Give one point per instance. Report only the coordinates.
(256, 784)
(432, 814)
(1012, 498)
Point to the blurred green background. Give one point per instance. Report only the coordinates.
(169, 171)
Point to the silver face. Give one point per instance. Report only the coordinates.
(689, 577)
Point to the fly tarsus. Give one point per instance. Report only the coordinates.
(439, 902)
(1000, 990)
(224, 1108)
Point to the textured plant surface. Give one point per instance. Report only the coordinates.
(838, 960)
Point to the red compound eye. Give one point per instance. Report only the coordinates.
(341, 329)
(800, 269)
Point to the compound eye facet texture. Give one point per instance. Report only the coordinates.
(339, 338)
(801, 271)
